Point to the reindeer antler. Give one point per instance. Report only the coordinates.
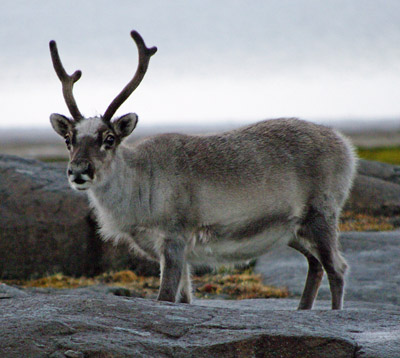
(144, 58)
(66, 81)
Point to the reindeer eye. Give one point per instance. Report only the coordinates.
(68, 141)
(109, 141)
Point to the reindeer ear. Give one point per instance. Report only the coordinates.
(124, 125)
(61, 124)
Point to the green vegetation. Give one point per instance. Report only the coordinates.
(390, 155)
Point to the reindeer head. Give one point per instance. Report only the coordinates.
(92, 142)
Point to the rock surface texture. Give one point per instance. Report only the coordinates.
(103, 325)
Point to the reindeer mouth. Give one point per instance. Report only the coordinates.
(80, 187)
(80, 182)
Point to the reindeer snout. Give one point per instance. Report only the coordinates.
(80, 171)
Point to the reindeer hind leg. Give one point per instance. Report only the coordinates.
(319, 228)
(314, 277)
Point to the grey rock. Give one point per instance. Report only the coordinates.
(73, 354)
(89, 291)
(111, 326)
(7, 291)
(374, 268)
(290, 304)
(57, 355)
(374, 196)
(376, 189)
(44, 225)
(379, 170)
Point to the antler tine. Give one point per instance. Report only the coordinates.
(144, 58)
(66, 81)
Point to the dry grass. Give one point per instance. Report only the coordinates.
(145, 286)
(362, 222)
(232, 285)
(236, 285)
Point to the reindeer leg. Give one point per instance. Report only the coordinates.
(171, 266)
(314, 277)
(335, 266)
(186, 285)
(320, 229)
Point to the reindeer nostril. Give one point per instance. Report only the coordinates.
(79, 180)
(79, 168)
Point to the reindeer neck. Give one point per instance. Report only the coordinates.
(123, 187)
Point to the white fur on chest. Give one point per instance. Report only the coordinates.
(109, 218)
(117, 224)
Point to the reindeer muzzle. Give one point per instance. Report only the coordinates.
(80, 174)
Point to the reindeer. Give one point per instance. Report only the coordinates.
(211, 199)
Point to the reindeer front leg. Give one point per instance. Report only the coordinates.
(186, 285)
(172, 262)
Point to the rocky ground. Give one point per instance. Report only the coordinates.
(91, 324)
(99, 321)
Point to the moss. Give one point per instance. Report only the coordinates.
(390, 154)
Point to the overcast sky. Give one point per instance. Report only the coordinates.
(218, 61)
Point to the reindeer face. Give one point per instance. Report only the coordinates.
(92, 144)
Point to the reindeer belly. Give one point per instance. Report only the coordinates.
(222, 245)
